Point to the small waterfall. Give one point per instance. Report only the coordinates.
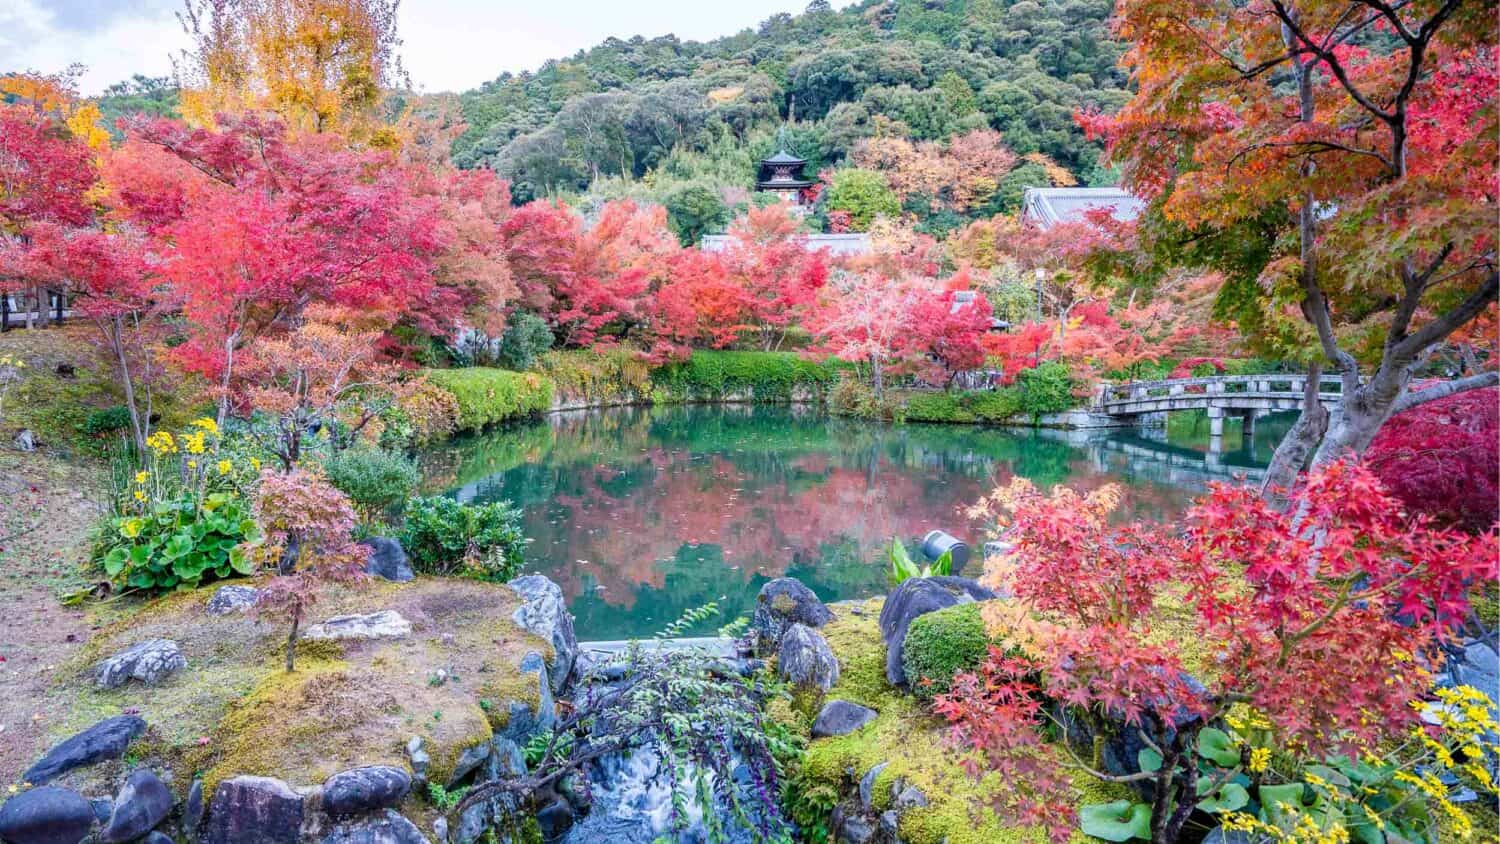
(632, 803)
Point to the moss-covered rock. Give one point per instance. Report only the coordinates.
(910, 740)
(235, 710)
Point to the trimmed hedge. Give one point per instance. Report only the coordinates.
(486, 396)
(763, 376)
(939, 645)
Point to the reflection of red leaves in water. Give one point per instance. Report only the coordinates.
(761, 523)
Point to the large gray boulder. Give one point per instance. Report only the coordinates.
(388, 559)
(150, 662)
(365, 789)
(805, 659)
(46, 815)
(915, 597)
(781, 603)
(143, 802)
(545, 614)
(840, 718)
(526, 717)
(253, 810)
(105, 740)
(390, 828)
(232, 599)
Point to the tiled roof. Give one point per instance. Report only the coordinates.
(1049, 206)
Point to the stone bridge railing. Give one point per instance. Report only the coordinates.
(1236, 392)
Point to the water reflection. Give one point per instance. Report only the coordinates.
(641, 513)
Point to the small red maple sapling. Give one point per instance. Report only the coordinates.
(308, 543)
(1310, 615)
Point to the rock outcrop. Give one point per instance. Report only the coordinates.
(805, 659)
(782, 603)
(150, 662)
(914, 597)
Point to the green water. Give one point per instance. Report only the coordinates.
(642, 513)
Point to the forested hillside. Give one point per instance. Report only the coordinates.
(674, 114)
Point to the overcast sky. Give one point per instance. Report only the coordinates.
(449, 45)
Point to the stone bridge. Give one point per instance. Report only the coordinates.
(1246, 396)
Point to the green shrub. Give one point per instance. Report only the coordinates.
(1046, 389)
(612, 377)
(997, 405)
(486, 396)
(852, 397)
(763, 376)
(482, 541)
(107, 421)
(526, 337)
(374, 479)
(939, 645)
(938, 407)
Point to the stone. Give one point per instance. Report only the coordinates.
(103, 807)
(365, 789)
(143, 802)
(781, 603)
(471, 760)
(384, 624)
(545, 614)
(907, 797)
(150, 662)
(867, 787)
(232, 599)
(192, 809)
(253, 810)
(499, 810)
(24, 441)
(419, 758)
(506, 760)
(46, 815)
(914, 597)
(889, 822)
(390, 828)
(525, 718)
(157, 837)
(440, 830)
(805, 659)
(856, 830)
(388, 559)
(555, 819)
(840, 718)
(1482, 657)
(105, 740)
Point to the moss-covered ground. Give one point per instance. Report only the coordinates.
(910, 739)
(236, 710)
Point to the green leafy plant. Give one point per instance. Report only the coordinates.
(374, 479)
(185, 518)
(487, 396)
(482, 541)
(526, 337)
(903, 567)
(107, 421)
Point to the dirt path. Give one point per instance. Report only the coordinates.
(47, 508)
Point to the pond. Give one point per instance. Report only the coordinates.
(642, 513)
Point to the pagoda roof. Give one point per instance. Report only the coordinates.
(783, 157)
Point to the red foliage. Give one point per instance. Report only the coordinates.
(1442, 459)
(44, 170)
(1314, 613)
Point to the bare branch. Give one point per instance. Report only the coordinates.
(1417, 398)
(1449, 322)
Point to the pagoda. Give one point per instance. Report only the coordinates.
(781, 174)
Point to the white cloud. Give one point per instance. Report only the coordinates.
(126, 43)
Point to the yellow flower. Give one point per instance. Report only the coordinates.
(1260, 760)
(208, 425)
(140, 477)
(255, 463)
(225, 466)
(162, 443)
(131, 529)
(193, 442)
(140, 495)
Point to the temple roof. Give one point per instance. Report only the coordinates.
(1049, 206)
(783, 157)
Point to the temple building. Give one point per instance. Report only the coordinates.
(781, 175)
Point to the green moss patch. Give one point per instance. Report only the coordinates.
(235, 710)
(913, 743)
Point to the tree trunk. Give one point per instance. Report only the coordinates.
(875, 377)
(116, 335)
(1298, 444)
(291, 639)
